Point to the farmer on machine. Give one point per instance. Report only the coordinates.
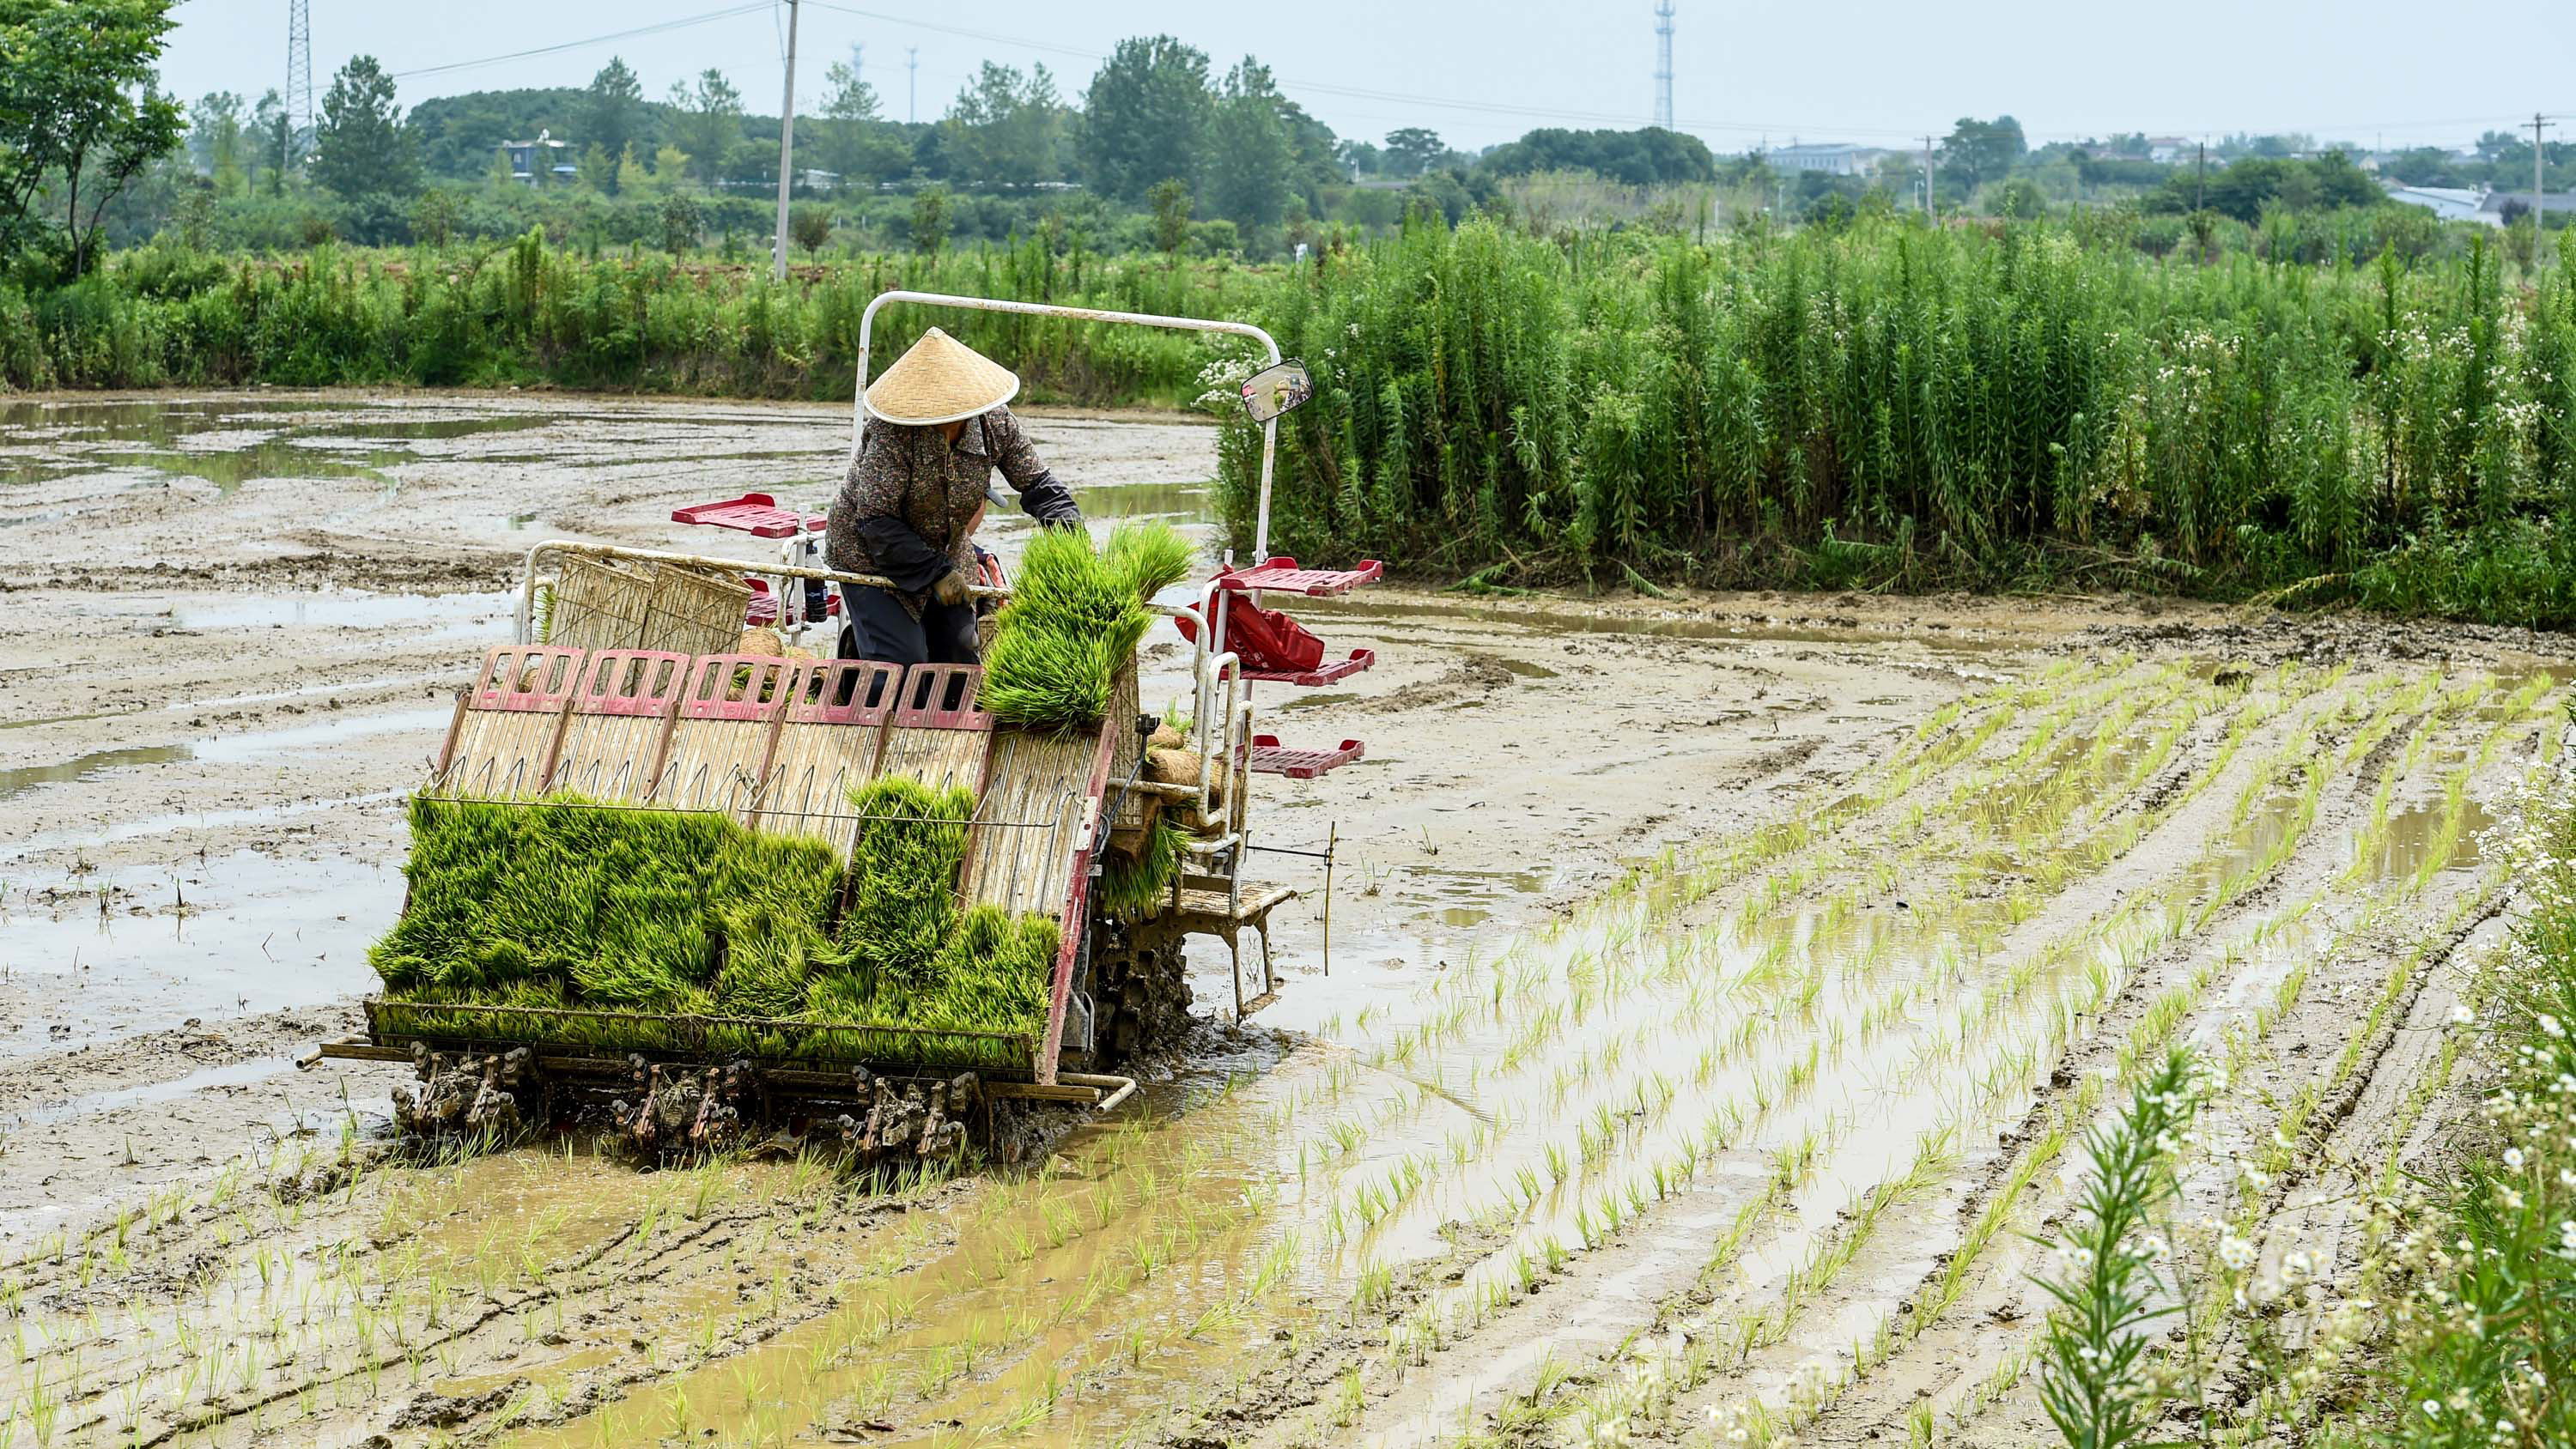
(936, 429)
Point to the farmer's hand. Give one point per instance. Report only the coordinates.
(951, 588)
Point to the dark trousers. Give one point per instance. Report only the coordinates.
(875, 625)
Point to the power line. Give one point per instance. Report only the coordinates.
(653, 29)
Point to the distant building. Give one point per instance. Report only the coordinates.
(527, 157)
(1833, 160)
(2450, 203)
(2166, 150)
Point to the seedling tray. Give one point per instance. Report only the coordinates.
(1282, 576)
(757, 514)
(1269, 757)
(1324, 674)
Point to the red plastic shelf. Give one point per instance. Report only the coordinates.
(1282, 576)
(756, 514)
(1339, 669)
(1269, 757)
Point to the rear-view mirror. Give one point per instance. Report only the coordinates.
(1278, 388)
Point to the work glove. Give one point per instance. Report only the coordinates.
(950, 589)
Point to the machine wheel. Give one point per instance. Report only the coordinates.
(1141, 988)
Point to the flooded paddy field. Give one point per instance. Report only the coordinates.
(1720, 988)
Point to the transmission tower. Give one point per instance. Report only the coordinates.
(299, 69)
(1664, 63)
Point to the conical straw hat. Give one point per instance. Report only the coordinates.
(940, 381)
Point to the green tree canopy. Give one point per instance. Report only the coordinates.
(1004, 128)
(1649, 156)
(1979, 151)
(855, 140)
(613, 118)
(1250, 162)
(79, 114)
(1412, 151)
(1147, 116)
(362, 147)
(708, 123)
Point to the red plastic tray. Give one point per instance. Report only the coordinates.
(757, 514)
(1269, 757)
(1339, 669)
(1282, 576)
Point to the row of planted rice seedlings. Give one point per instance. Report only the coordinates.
(1608, 1200)
(1760, 1326)
(2157, 1027)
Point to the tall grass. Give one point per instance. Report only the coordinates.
(1898, 407)
(525, 312)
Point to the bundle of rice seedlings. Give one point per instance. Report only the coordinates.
(1148, 557)
(769, 901)
(1076, 615)
(903, 886)
(1130, 889)
(993, 974)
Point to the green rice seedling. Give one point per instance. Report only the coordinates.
(903, 869)
(1075, 617)
(1129, 889)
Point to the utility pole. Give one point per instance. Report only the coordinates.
(2539, 253)
(2200, 178)
(299, 78)
(858, 60)
(786, 152)
(912, 84)
(1664, 64)
(1927, 180)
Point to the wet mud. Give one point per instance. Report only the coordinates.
(1712, 988)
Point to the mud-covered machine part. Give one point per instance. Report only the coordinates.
(612, 700)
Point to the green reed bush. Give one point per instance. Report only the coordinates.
(1890, 406)
(474, 315)
(1075, 617)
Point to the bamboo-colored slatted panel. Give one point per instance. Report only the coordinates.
(626, 604)
(720, 743)
(938, 736)
(621, 719)
(828, 745)
(503, 741)
(1033, 777)
(1125, 703)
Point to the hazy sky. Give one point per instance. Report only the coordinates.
(1481, 71)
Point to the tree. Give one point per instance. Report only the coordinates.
(930, 220)
(1003, 128)
(598, 169)
(362, 147)
(216, 141)
(434, 216)
(1979, 151)
(809, 227)
(679, 223)
(276, 140)
(79, 115)
(1248, 157)
(616, 104)
(1412, 151)
(856, 141)
(1358, 158)
(1146, 115)
(1171, 202)
(670, 166)
(709, 123)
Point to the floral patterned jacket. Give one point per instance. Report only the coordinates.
(909, 506)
